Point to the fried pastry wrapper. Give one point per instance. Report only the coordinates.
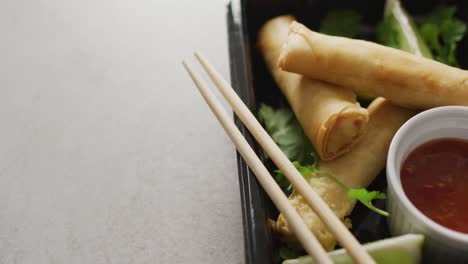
(373, 70)
(331, 117)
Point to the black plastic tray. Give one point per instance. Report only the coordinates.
(254, 84)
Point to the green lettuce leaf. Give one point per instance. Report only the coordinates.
(284, 129)
(442, 31)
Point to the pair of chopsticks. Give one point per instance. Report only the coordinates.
(302, 232)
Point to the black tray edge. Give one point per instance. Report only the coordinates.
(257, 240)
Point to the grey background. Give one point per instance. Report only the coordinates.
(107, 152)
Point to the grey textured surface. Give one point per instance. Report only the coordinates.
(107, 152)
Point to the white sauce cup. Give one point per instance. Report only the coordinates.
(441, 245)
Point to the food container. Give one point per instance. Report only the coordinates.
(253, 83)
(442, 245)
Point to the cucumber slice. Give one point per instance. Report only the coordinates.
(406, 249)
(407, 36)
(397, 30)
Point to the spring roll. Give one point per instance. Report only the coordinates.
(374, 70)
(330, 115)
(356, 169)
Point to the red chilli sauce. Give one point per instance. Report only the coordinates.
(434, 177)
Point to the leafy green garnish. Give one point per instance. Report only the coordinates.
(344, 23)
(283, 182)
(366, 197)
(362, 195)
(442, 31)
(288, 253)
(438, 35)
(285, 130)
(306, 171)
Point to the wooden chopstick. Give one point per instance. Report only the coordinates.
(336, 227)
(305, 236)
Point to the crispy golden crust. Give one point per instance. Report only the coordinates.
(330, 115)
(356, 169)
(372, 69)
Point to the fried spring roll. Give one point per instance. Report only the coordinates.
(356, 169)
(330, 115)
(374, 70)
